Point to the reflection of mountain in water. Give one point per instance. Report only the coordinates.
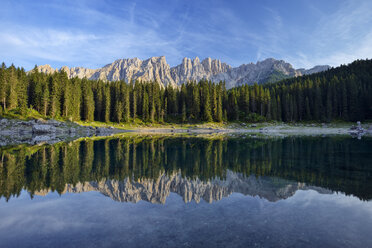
(217, 167)
(157, 190)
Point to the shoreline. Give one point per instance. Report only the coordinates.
(270, 131)
(15, 132)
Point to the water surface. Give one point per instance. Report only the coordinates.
(143, 191)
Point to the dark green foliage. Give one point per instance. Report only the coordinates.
(274, 77)
(88, 104)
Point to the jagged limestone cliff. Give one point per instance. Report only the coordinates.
(157, 69)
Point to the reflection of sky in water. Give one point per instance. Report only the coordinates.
(93, 220)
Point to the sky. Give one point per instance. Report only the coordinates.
(94, 33)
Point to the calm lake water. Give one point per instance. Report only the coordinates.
(143, 191)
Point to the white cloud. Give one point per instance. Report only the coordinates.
(339, 38)
(93, 37)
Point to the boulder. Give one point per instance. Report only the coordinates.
(100, 130)
(55, 123)
(42, 128)
(41, 138)
(4, 122)
(353, 127)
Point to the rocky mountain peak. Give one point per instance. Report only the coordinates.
(157, 69)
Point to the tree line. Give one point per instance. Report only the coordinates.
(342, 93)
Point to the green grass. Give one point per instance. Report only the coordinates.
(140, 124)
(30, 114)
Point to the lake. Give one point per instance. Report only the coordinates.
(185, 191)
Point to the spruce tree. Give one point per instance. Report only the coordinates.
(126, 106)
(106, 104)
(307, 109)
(22, 87)
(145, 106)
(207, 115)
(87, 101)
(183, 112)
(3, 86)
(12, 96)
(55, 96)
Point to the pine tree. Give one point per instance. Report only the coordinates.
(98, 101)
(118, 111)
(307, 109)
(345, 114)
(267, 105)
(67, 96)
(329, 105)
(45, 98)
(219, 108)
(87, 101)
(353, 99)
(183, 112)
(126, 106)
(22, 87)
(207, 116)
(145, 106)
(279, 113)
(106, 104)
(233, 107)
(195, 112)
(12, 99)
(55, 96)
(318, 106)
(274, 108)
(3, 86)
(134, 104)
(152, 110)
(214, 102)
(76, 99)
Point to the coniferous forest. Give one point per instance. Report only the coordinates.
(342, 93)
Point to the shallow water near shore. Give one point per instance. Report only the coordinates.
(164, 191)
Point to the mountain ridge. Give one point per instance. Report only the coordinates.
(157, 69)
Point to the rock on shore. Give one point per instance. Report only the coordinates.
(14, 132)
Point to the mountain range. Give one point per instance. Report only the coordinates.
(157, 69)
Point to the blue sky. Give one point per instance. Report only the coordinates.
(93, 33)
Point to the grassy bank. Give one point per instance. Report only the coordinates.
(135, 124)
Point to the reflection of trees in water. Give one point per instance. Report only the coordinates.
(339, 164)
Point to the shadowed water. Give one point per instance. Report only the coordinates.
(141, 191)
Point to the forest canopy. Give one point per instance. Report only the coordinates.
(342, 93)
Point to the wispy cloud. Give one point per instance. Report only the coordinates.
(134, 35)
(340, 37)
(82, 33)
